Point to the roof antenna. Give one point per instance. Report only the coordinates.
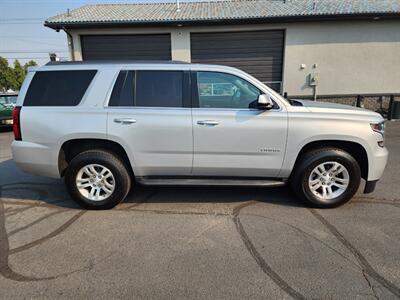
(178, 8)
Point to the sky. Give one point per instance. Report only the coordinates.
(23, 35)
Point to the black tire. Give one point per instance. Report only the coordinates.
(111, 162)
(309, 161)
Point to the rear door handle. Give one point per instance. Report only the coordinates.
(125, 121)
(208, 123)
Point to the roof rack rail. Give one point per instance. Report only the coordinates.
(91, 62)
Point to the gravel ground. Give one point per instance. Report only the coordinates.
(180, 243)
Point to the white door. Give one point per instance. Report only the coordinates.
(231, 136)
(150, 120)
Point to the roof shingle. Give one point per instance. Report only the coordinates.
(221, 10)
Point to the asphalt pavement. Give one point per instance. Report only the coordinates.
(197, 243)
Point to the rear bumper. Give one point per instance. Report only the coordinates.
(35, 158)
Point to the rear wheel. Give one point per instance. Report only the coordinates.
(326, 177)
(97, 179)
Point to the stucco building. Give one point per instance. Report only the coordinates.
(298, 47)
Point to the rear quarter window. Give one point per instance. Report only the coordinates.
(58, 88)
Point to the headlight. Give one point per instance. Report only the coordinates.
(378, 127)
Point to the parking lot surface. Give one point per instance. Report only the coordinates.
(185, 243)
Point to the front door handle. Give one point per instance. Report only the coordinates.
(208, 123)
(125, 121)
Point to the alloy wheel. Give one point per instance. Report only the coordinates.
(328, 180)
(95, 182)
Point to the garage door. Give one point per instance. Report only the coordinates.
(259, 53)
(134, 47)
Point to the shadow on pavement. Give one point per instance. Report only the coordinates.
(23, 187)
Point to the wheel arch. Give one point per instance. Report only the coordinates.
(353, 148)
(73, 147)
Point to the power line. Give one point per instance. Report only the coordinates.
(33, 1)
(33, 57)
(19, 23)
(39, 51)
(34, 41)
(22, 19)
(37, 57)
(33, 37)
(49, 1)
(30, 56)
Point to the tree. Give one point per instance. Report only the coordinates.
(3, 70)
(19, 75)
(6, 75)
(30, 63)
(12, 78)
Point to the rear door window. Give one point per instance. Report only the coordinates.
(150, 89)
(159, 88)
(58, 88)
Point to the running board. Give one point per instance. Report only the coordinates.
(210, 182)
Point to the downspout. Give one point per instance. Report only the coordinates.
(315, 93)
(71, 43)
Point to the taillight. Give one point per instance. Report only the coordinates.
(16, 123)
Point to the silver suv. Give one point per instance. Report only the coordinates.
(105, 126)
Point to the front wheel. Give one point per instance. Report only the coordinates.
(326, 177)
(97, 179)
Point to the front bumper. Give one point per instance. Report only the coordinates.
(370, 186)
(377, 163)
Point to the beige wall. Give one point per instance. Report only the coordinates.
(350, 57)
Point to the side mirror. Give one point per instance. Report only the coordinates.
(265, 102)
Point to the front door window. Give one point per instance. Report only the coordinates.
(221, 90)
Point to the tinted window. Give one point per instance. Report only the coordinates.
(58, 88)
(123, 92)
(220, 90)
(159, 88)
